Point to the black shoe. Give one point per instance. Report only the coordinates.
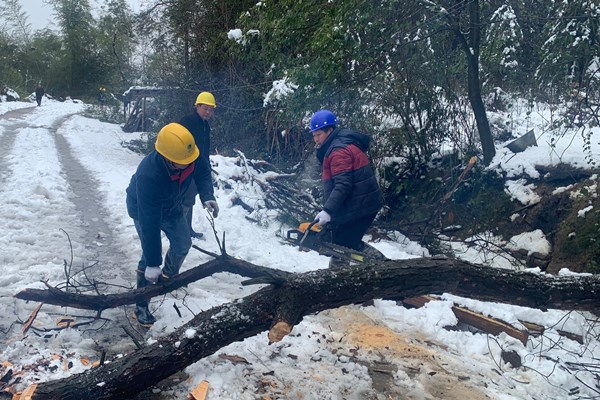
(196, 235)
(143, 315)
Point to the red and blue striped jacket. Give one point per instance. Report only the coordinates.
(350, 189)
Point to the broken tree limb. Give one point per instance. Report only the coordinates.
(477, 320)
(58, 297)
(309, 293)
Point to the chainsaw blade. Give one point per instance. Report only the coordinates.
(313, 242)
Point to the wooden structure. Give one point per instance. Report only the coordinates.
(141, 105)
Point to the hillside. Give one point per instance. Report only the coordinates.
(481, 205)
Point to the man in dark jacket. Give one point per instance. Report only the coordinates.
(39, 94)
(352, 197)
(154, 202)
(197, 124)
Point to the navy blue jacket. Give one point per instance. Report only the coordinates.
(200, 130)
(350, 189)
(155, 193)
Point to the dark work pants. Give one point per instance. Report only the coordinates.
(189, 199)
(178, 234)
(350, 234)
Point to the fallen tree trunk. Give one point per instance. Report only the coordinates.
(308, 293)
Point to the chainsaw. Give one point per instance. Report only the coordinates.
(310, 236)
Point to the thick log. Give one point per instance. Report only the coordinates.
(308, 293)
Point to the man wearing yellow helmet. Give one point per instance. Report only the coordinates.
(154, 202)
(197, 124)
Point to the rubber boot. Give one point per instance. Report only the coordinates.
(172, 266)
(188, 217)
(144, 316)
(142, 313)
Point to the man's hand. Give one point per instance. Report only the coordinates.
(152, 274)
(213, 207)
(322, 218)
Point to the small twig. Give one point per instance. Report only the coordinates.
(68, 270)
(177, 310)
(211, 221)
(214, 255)
(133, 335)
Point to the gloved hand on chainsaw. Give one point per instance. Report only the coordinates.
(322, 218)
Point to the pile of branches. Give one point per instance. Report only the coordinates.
(281, 193)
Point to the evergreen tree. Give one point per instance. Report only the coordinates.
(116, 45)
(81, 67)
(572, 46)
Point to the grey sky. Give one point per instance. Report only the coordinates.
(40, 13)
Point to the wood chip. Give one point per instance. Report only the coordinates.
(200, 391)
(31, 318)
(280, 330)
(234, 359)
(65, 321)
(28, 393)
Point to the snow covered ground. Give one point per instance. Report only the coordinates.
(62, 185)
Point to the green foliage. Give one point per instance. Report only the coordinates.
(502, 51)
(392, 68)
(572, 48)
(348, 57)
(585, 239)
(116, 46)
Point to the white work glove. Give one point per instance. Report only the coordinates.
(213, 207)
(323, 218)
(152, 274)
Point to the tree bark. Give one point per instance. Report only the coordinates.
(470, 47)
(302, 294)
(98, 303)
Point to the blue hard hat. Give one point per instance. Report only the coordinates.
(321, 119)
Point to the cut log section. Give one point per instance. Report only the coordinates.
(487, 324)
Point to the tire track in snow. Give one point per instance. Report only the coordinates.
(44, 189)
(33, 192)
(98, 241)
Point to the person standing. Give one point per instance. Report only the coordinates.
(351, 194)
(39, 94)
(154, 202)
(197, 124)
(101, 95)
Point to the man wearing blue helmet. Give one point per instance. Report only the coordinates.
(351, 195)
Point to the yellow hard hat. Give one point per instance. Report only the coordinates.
(206, 98)
(176, 144)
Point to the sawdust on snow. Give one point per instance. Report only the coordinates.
(416, 368)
